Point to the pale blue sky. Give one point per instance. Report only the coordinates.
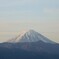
(17, 15)
(12, 10)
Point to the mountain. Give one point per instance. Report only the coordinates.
(29, 45)
(30, 36)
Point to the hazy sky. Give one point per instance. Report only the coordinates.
(18, 15)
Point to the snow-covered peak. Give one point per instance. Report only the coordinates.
(30, 36)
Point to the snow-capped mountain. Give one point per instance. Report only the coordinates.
(29, 45)
(30, 36)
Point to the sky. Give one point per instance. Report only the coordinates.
(20, 15)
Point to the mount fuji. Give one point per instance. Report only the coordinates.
(30, 36)
(29, 45)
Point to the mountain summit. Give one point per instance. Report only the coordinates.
(30, 36)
